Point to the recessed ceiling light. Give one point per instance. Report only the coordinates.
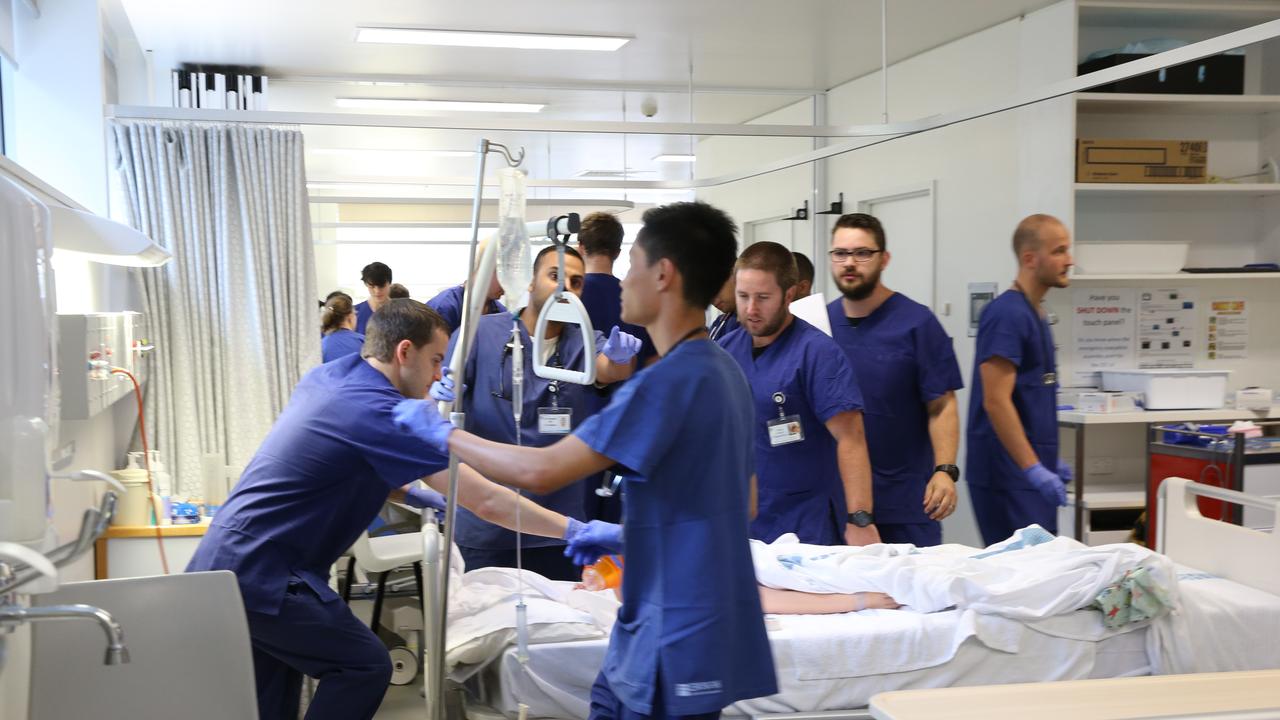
(474, 38)
(674, 158)
(444, 105)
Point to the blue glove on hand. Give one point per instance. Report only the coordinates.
(1048, 483)
(588, 542)
(1064, 471)
(424, 498)
(421, 419)
(442, 389)
(620, 347)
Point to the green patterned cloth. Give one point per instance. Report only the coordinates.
(1135, 597)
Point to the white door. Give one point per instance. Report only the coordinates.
(779, 230)
(907, 218)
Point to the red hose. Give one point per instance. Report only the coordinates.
(146, 459)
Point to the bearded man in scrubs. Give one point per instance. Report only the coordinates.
(331, 460)
(811, 455)
(690, 638)
(1014, 474)
(551, 410)
(448, 302)
(908, 375)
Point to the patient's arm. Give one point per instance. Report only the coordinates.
(791, 602)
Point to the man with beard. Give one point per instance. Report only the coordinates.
(811, 455)
(908, 374)
(550, 412)
(1013, 430)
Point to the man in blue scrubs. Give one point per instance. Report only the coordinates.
(908, 375)
(550, 411)
(690, 636)
(448, 302)
(811, 455)
(600, 242)
(376, 277)
(321, 475)
(1015, 476)
(727, 321)
(804, 286)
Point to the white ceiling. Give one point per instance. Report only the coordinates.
(743, 58)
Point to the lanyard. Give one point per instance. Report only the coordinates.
(1045, 338)
(684, 337)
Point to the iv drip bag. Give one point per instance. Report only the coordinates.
(515, 264)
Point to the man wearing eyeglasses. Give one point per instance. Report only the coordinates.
(550, 411)
(907, 370)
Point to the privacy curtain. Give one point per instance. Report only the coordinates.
(233, 316)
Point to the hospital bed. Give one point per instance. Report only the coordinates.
(830, 666)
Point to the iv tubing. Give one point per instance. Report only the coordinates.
(146, 459)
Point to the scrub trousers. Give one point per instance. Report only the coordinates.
(322, 640)
(1001, 511)
(606, 706)
(925, 534)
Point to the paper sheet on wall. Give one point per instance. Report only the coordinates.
(813, 310)
(1166, 328)
(1102, 330)
(1228, 336)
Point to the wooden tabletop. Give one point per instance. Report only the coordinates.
(138, 531)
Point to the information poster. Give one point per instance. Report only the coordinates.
(1166, 328)
(1228, 336)
(1103, 325)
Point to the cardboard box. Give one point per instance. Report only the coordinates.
(1141, 161)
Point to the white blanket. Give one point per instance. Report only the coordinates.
(1031, 576)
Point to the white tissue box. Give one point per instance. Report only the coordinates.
(1253, 399)
(1104, 402)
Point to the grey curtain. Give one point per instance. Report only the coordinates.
(233, 315)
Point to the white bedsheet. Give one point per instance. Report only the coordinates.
(1221, 626)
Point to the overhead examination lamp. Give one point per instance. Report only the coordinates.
(96, 238)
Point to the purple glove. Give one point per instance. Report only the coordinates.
(620, 347)
(1048, 483)
(1064, 471)
(588, 542)
(425, 498)
(421, 419)
(442, 389)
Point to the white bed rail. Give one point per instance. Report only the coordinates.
(1233, 552)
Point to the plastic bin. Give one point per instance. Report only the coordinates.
(1171, 388)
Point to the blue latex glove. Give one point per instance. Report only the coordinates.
(442, 389)
(424, 498)
(1064, 471)
(1048, 483)
(588, 542)
(421, 419)
(620, 347)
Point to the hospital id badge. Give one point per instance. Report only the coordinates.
(555, 421)
(785, 430)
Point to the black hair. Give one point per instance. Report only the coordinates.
(376, 274)
(862, 221)
(550, 250)
(700, 240)
(805, 266)
(601, 234)
(400, 319)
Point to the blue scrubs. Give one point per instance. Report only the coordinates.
(1003, 499)
(690, 635)
(315, 484)
(448, 303)
(340, 342)
(363, 313)
(904, 360)
(602, 296)
(487, 401)
(724, 324)
(801, 490)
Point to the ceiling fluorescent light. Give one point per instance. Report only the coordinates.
(444, 105)
(674, 158)
(474, 38)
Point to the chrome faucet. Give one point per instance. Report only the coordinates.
(117, 653)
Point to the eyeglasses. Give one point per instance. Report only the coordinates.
(859, 255)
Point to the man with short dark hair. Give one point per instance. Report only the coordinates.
(908, 375)
(398, 292)
(690, 636)
(811, 456)
(376, 277)
(600, 242)
(804, 285)
(448, 302)
(551, 409)
(726, 322)
(1015, 475)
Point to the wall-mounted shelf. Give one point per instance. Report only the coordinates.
(1159, 190)
(1178, 276)
(1131, 103)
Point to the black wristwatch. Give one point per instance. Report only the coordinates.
(951, 470)
(861, 518)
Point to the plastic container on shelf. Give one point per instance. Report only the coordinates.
(1171, 388)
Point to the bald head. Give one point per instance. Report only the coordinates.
(1032, 231)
